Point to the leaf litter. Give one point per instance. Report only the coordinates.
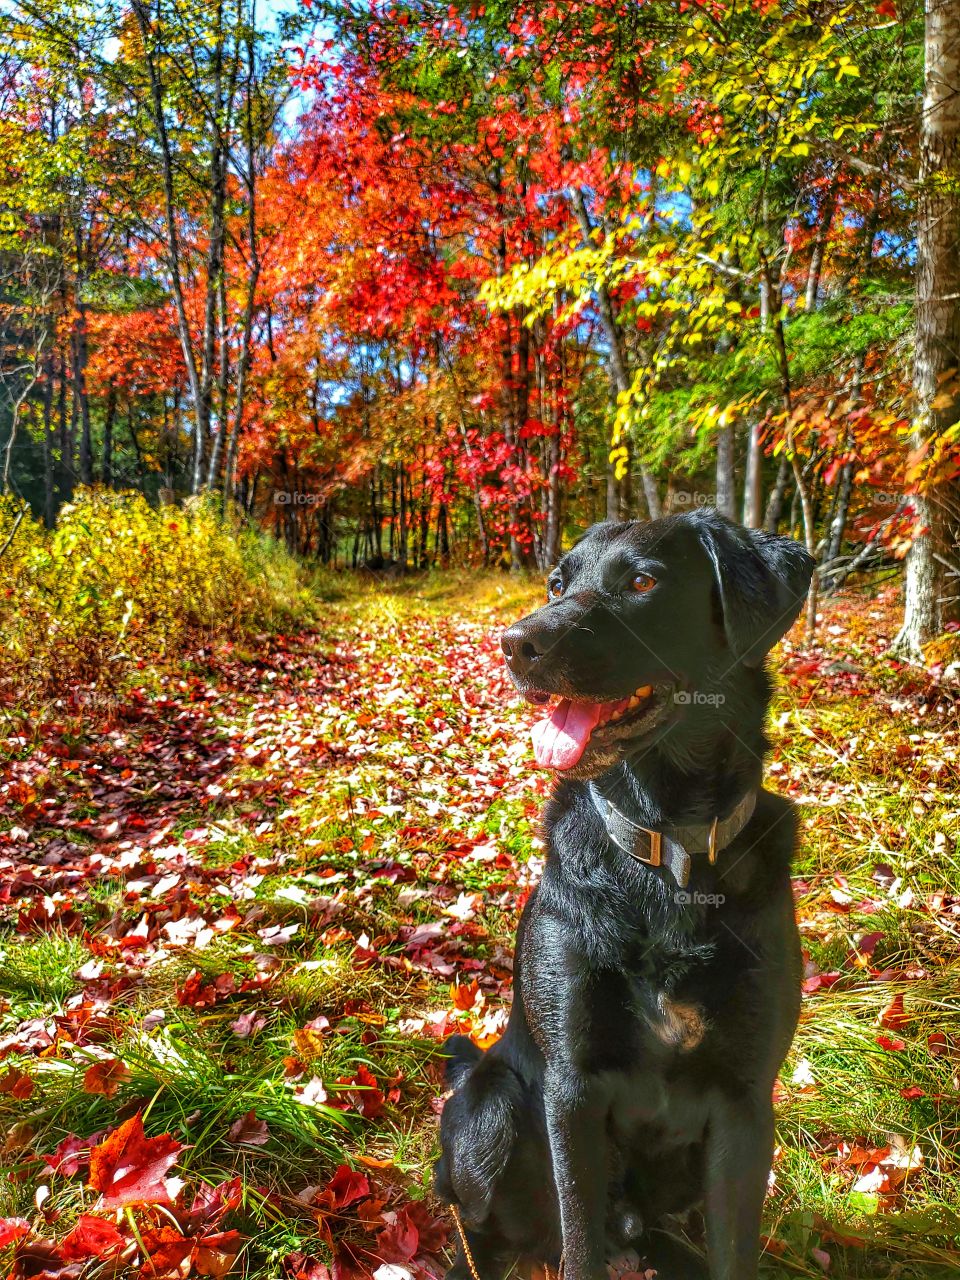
(242, 908)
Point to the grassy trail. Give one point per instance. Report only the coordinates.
(246, 900)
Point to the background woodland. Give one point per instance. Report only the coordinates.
(413, 283)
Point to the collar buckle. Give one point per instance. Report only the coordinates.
(658, 849)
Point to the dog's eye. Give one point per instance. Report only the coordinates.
(643, 582)
(555, 589)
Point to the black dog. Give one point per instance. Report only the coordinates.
(657, 980)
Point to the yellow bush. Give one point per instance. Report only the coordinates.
(118, 583)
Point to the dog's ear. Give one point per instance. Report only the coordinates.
(762, 580)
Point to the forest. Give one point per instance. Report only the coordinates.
(326, 329)
(430, 284)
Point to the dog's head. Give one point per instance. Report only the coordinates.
(645, 625)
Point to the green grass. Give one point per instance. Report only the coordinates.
(40, 972)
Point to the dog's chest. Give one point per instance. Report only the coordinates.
(660, 1060)
(631, 1019)
(665, 1019)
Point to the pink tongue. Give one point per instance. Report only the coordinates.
(559, 740)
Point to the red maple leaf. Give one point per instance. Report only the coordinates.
(72, 1155)
(129, 1168)
(433, 1232)
(17, 1083)
(301, 1267)
(92, 1238)
(198, 994)
(399, 1239)
(367, 1099)
(216, 1254)
(894, 1017)
(464, 996)
(211, 1204)
(938, 1044)
(167, 1250)
(347, 1265)
(346, 1186)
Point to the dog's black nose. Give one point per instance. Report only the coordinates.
(522, 648)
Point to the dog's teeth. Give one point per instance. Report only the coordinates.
(644, 691)
(634, 702)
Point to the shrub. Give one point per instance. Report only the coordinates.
(118, 584)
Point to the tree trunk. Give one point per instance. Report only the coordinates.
(841, 506)
(49, 497)
(937, 351)
(442, 542)
(838, 521)
(726, 480)
(613, 492)
(402, 538)
(223, 385)
(819, 247)
(135, 442)
(393, 513)
(424, 534)
(753, 481)
(771, 519)
(215, 311)
(80, 351)
(443, 357)
(773, 290)
(66, 438)
(145, 24)
(109, 413)
(507, 398)
(253, 275)
(775, 504)
(253, 278)
(552, 526)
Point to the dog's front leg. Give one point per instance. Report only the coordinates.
(576, 1124)
(739, 1156)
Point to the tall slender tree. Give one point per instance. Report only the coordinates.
(932, 595)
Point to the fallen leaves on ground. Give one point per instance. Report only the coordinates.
(241, 907)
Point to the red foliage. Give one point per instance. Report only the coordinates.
(130, 1168)
(12, 1229)
(92, 1237)
(105, 1077)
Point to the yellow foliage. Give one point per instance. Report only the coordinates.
(118, 584)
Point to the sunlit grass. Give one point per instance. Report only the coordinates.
(867, 805)
(40, 970)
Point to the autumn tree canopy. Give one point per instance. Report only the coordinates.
(408, 282)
